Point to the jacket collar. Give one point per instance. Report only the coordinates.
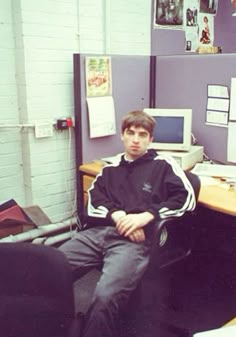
(149, 155)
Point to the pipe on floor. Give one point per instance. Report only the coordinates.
(55, 239)
(43, 230)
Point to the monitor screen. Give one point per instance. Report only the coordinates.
(169, 129)
(173, 129)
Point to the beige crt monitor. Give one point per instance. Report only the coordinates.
(173, 130)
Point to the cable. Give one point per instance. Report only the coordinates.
(20, 126)
(194, 139)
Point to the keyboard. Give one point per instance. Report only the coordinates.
(215, 170)
(113, 159)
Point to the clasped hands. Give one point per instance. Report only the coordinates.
(131, 225)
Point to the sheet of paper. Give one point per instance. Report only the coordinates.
(208, 181)
(218, 104)
(217, 112)
(217, 117)
(229, 331)
(232, 111)
(101, 112)
(231, 148)
(220, 91)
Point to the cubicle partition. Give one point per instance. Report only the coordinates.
(173, 42)
(130, 90)
(181, 82)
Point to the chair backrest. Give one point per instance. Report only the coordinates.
(177, 233)
(195, 182)
(36, 291)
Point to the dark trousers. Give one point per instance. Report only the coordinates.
(123, 265)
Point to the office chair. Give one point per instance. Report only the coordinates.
(179, 232)
(151, 305)
(179, 246)
(36, 292)
(136, 318)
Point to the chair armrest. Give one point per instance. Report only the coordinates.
(160, 226)
(171, 245)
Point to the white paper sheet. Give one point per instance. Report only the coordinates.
(232, 111)
(218, 104)
(217, 118)
(229, 331)
(217, 112)
(231, 148)
(220, 91)
(101, 116)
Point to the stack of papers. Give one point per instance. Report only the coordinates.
(215, 170)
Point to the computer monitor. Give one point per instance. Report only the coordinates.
(173, 129)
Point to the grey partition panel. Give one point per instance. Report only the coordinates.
(172, 41)
(130, 83)
(181, 82)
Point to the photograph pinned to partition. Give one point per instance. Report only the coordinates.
(168, 14)
(233, 2)
(206, 29)
(98, 76)
(209, 6)
(191, 13)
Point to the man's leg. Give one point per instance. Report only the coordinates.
(124, 264)
(84, 250)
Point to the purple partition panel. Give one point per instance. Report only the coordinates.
(172, 41)
(225, 27)
(181, 82)
(130, 83)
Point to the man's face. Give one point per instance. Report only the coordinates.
(136, 141)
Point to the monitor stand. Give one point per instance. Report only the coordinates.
(186, 159)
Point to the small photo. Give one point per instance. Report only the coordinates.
(234, 7)
(208, 6)
(169, 12)
(191, 16)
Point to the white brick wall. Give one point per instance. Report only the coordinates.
(37, 42)
(11, 174)
(115, 27)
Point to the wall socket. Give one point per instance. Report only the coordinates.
(43, 129)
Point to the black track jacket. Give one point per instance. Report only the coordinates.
(153, 183)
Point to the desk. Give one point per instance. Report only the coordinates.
(218, 199)
(213, 197)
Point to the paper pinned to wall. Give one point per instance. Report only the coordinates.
(231, 148)
(101, 112)
(232, 111)
(217, 112)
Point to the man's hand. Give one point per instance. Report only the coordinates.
(137, 236)
(129, 223)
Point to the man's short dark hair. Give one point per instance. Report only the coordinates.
(138, 119)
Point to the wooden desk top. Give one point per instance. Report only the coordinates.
(218, 199)
(211, 196)
(92, 168)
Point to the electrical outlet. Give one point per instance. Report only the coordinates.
(43, 129)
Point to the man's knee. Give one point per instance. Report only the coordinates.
(108, 300)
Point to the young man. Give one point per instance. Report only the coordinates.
(124, 202)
